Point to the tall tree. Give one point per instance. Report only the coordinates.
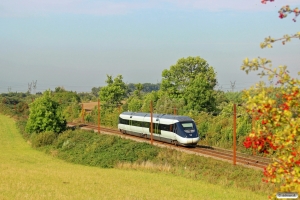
(115, 91)
(187, 79)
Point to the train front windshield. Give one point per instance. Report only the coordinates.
(188, 127)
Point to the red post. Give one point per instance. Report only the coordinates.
(175, 111)
(151, 124)
(98, 115)
(82, 113)
(253, 125)
(234, 134)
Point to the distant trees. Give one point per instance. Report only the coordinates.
(45, 115)
(64, 97)
(146, 87)
(95, 91)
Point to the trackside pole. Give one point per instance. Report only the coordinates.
(253, 126)
(151, 124)
(175, 111)
(82, 113)
(98, 115)
(234, 134)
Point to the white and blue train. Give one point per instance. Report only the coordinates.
(178, 130)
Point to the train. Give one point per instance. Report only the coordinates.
(174, 129)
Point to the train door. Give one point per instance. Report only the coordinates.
(157, 131)
(174, 129)
(130, 124)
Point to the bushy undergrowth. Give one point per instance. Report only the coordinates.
(43, 139)
(105, 151)
(21, 124)
(211, 170)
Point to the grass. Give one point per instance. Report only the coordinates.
(29, 174)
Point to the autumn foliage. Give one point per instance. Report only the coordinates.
(277, 130)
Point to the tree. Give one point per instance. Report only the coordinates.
(64, 97)
(200, 94)
(95, 91)
(167, 105)
(139, 88)
(278, 129)
(115, 91)
(187, 79)
(153, 96)
(45, 115)
(277, 112)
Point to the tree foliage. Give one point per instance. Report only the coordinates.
(45, 115)
(199, 95)
(65, 97)
(278, 129)
(115, 91)
(192, 79)
(277, 112)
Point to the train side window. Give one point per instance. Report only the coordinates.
(123, 121)
(133, 123)
(146, 124)
(136, 123)
(156, 128)
(164, 127)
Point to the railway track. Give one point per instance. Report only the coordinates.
(207, 151)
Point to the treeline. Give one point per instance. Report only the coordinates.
(187, 88)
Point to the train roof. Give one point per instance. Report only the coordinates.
(160, 116)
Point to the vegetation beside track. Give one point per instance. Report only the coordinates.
(29, 174)
(106, 151)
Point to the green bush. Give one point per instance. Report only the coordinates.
(43, 139)
(21, 124)
(45, 115)
(105, 151)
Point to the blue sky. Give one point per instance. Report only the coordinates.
(75, 43)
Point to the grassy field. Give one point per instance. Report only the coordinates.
(29, 174)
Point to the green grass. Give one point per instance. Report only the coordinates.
(29, 174)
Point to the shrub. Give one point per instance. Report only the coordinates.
(106, 151)
(45, 115)
(43, 139)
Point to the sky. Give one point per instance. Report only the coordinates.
(77, 43)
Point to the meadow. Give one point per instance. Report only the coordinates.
(30, 174)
